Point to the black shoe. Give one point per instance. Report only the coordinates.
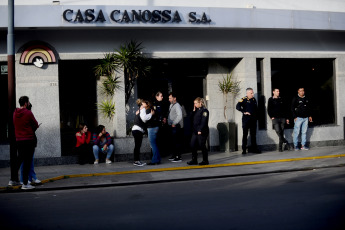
(203, 163)
(192, 162)
(280, 150)
(177, 159)
(244, 152)
(286, 146)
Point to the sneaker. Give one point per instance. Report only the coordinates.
(297, 149)
(286, 146)
(304, 148)
(13, 183)
(108, 161)
(96, 162)
(177, 159)
(37, 181)
(172, 158)
(138, 163)
(28, 186)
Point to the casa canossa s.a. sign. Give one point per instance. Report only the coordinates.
(132, 16)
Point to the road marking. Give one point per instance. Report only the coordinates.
(181, 168)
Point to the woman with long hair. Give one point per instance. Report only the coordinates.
(200, 133)
(83, 147)
(139, 127)
(152, 129)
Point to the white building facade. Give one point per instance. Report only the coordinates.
(193, 46)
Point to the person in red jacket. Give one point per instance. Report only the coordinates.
(25, 126)
(83, 147)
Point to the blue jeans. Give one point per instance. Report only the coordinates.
(152, 134)
(32, 174)
(300, 122)
(97, 149)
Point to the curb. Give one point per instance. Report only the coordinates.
(11, 189)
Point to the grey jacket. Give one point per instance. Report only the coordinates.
(175, 115)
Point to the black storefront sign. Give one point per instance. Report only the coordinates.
(144, 16)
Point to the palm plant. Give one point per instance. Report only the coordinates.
(228, 85)
(107, 108)
(134, 63)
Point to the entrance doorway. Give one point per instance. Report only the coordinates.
(185, 77)
(78, 98)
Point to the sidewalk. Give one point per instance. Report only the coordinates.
(221, 165)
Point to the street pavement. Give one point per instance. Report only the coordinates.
(222, 165)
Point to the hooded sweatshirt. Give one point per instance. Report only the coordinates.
(25, 124)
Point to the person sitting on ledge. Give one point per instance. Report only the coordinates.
(102, 143)
(83, 146)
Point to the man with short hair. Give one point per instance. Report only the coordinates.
(175, 121)
(25, 126)
(248, 106)
(276, 109)
(301, 111)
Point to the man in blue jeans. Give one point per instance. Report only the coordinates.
(301, 111)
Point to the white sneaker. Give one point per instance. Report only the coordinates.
(28, 186)
(96, 162)
(108, 161)
(37, 181)
(13, 183)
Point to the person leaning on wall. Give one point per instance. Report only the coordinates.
(83, 146)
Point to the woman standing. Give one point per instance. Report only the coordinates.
(152, 128)
(83, 147)
(200, 133)
(138, 129)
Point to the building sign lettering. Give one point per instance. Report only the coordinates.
(133, 16)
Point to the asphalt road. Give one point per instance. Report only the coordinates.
(297, 200)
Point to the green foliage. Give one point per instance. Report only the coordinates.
(107, 108)
(110, 84)
(228, 85)
(130, 57)
(107, 66)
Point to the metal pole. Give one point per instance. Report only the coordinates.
(11, 90)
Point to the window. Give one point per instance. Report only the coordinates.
(316, 76)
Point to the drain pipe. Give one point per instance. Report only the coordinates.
(11, 90)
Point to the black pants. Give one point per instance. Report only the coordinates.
(249, 125)
(26, 150)
(278, 125)
(85, 154)
(176, 138)
(138, 139)
(199, 141)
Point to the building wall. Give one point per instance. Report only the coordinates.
(244, 45)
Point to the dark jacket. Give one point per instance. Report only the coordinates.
(157, 118)
(248, 105)
(276, 108)
(139, 122)
(301, 107)
(200, 121)
(25, 124)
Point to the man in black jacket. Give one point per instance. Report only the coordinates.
(301, 111)
(277, 111)
(248, 106)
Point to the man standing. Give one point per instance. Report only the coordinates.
(175, 120)
(301, 111)
(248, 106)
(25, 126)
(277, 112)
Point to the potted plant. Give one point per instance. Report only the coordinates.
(227, 129)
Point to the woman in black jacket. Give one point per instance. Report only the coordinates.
(200, 133)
